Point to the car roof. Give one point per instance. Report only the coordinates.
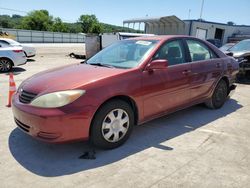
(162, 37)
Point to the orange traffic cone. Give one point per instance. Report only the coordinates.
(12, 89)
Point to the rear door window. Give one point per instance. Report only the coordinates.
(3, 43)
(199, 51)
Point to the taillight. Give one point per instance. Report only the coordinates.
(18, 51)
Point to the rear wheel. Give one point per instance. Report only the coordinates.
(112, 125)
(219, 96)
(5, 65)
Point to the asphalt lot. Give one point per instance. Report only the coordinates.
(196, 147)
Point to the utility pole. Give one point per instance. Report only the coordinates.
(202, 5)
(189, 12)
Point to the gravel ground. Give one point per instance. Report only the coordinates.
(196, 147)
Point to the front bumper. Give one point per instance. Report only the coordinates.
(51, 125)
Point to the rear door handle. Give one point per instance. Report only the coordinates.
(186, 72)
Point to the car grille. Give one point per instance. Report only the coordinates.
(26, 97)
(22, 126)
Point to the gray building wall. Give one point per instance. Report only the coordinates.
(31, 36)
(164, 29)
(192, 26)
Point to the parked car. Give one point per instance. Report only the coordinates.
(226, 47)
(11, 56)
(216, 42)
(241, 52)
(128, 83)
(28, 49)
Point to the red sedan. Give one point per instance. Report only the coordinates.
(127, 83)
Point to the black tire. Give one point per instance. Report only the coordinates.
(219, 96)
(97, 135)
(5, 65)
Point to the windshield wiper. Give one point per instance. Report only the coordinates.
(101, 65)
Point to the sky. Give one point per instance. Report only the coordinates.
(115, 11)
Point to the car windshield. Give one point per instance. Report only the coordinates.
(124, 54)
(226, 47)
(241, 46)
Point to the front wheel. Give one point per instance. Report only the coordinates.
(5, 65)
(112, 124)
(219, 96)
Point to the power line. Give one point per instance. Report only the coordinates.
(13, 10)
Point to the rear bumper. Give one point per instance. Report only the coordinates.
(20, 61)
(29, 56)
(53, 125)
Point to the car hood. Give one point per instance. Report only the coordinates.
(241, 53)
(67, 78)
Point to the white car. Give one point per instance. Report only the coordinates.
(28, 49)
(11, 56)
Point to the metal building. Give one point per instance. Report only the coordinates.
(213, 30)
(158, 26)
(199, 28)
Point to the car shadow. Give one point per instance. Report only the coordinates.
(244, 81)
(31, 60)
(52, 160)
(15, 71)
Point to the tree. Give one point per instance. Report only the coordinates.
(96, 28)
(90, 24)
(16, 16)
(5, 21)
(74, 27)
(59, 26)
(37, 20)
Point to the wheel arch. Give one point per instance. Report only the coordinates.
(25, 53)
(12, 63)
(124, 98)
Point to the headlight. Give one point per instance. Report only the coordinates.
(57, 99)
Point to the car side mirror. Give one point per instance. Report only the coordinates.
(229, 54)
(157, 64)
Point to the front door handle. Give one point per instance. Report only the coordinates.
(186, 72)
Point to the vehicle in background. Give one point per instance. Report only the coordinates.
(130, 82)
(109, 38)
(241, 52)
(95, 43)
(216, 42)
(28, 49)
(11, 56)
(226, 47)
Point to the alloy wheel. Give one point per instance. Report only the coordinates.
(5, 65)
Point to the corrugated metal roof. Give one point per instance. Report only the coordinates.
(158, 20)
